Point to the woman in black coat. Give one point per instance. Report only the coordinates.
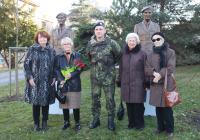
(70, 83)
(39, 78)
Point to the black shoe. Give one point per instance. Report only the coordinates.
(111, 123)
(130, 126)
(44, 125)
(158, 131)
(139, 128)
(66, 125)
(36, 127)
(77, 126)
(95, 123)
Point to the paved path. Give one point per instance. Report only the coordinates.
(4, 77)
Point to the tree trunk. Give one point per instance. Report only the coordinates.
(162, 7)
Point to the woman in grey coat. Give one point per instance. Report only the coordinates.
(38, 67)
(158, 61)
(131, 75)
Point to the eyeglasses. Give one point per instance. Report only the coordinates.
(158, 39)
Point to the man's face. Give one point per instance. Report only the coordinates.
(61, 19)
(99, 31)
(147, 14)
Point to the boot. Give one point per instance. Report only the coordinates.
(66, 125)
(111, 123)
(95, 123)
(36, 127)
(44, 125)
(77, 126)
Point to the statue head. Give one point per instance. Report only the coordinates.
(61, 18)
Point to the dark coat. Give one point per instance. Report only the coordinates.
(132, 75)
(153, 64)
(74, 83)
(38, 66)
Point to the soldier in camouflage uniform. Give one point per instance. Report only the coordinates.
(103, 53)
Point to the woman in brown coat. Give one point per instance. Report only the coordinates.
(158, 61)
(132, 81)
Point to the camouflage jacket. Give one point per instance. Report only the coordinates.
(103, 57)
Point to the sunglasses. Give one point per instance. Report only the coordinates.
(158, 39)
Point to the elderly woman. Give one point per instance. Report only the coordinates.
(70, 83)
(39, 78)
(158, 61)
(132, 78)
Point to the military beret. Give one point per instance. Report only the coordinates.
(61, 14)
(100, 23)
(147, 7)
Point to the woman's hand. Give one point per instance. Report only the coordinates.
(32, 83)
(157, 77)
(62, 83)
(53, 82)
(68, 76)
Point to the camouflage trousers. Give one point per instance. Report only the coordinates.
(109, 91)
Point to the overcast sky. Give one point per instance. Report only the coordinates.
(53, 7)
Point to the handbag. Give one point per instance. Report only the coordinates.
(60, 96)
(120, 112)
(172, 98)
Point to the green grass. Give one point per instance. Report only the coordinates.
(16, 116)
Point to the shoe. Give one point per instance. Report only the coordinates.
(111, 123)
(36, 127)
(44, 125)
(66, 125)
(130, 126)
(170, 134)
(95, 123)
(77, 126)
(139, 128)
(157, 131)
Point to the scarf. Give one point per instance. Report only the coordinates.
(160, 51)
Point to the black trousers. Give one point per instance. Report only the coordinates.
(36, 113)
(76, 113)
(165, 119)
(135, 113)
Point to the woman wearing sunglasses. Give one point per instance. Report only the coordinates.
(157, 62)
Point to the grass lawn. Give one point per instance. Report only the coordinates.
(16, 116)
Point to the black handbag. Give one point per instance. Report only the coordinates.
(120, 111)
(60, 96)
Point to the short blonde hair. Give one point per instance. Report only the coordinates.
(130, 35)
(67, 40)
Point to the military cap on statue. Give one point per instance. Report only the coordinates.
(147, 7)
(61, 14)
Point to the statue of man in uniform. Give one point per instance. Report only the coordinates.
(60, 32)
(145, 30)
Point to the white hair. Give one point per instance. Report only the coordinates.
(131, 35)
(67, 40)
